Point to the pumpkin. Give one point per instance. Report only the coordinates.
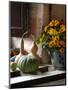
(28, 64)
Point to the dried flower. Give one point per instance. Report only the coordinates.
(61, 50)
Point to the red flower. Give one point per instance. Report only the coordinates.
(61, 22)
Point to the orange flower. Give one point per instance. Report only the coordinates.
(55, 38)
(61, 50)
(57, 44)
(54, 23)
(62, 43)
(53, 44)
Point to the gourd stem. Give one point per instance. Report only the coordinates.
(34, 49)
(22, 43)
(22, 46)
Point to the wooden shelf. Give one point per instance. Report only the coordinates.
(29, 80)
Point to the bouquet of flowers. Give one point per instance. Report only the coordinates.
(53, 36)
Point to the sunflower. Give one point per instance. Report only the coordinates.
(55, 38)
(54, 23)
(52, 43)
(52, 31)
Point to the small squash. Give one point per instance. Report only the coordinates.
(28, 64)
(13, 66)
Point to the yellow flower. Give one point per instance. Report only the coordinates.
(52, 31)
(51, 23)
(55, 38)
(62, 29)
(52, 44)
(54, 23)
(56, 43)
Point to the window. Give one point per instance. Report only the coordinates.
(19, 18)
